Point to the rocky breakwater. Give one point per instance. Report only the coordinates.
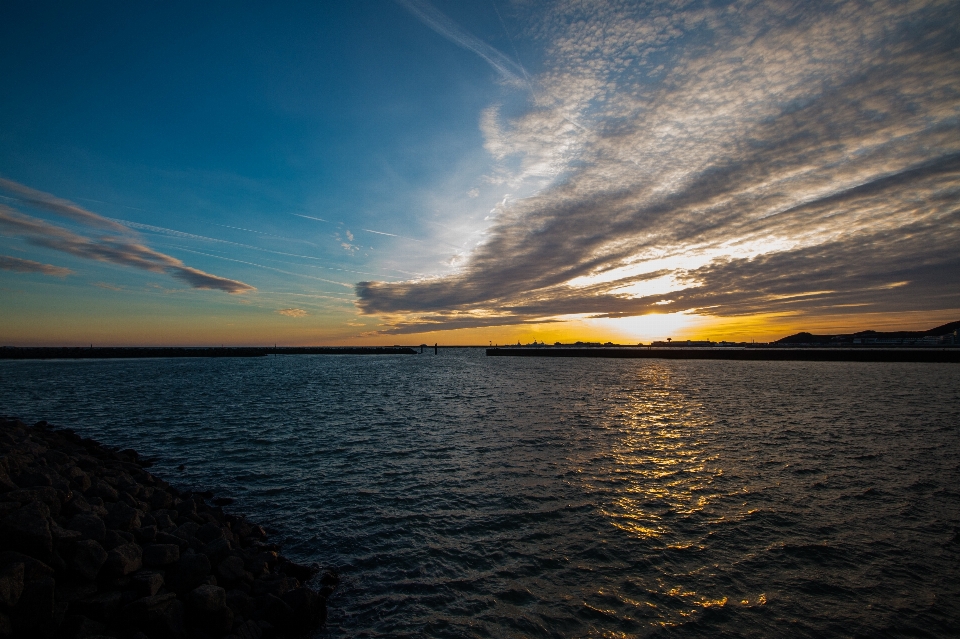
(91, 544)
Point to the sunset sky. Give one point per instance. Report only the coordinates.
(404, 171)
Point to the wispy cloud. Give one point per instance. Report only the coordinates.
(750, 154)
(124, 249)
(293, 312)
(9, 263)
(61, 207)
(433, 18)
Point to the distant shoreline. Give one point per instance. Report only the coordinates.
(865, 354)
(136, 352)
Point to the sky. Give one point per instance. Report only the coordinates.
(413, 171)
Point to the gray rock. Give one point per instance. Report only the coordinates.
(207, 599)
(28, 530)
(273, 609)
(161, 500)
(209, 532)
(248, 630)
(217, 550)
(80, 626)
(122, 516)
(33, 569)
(275, 587)
(35, 607)
(11, 583)
(159, 555)
(88, 525)
(88, 558)
(50, 497)
(188, 530)
(78, 479)
(232, 570)
(114, 538)
(166, 538)
(70, 590)
(124, 560)
(240, 602)
(147, 584)
(101, 489)
(100, 607)
(189, 572)
(145, 534)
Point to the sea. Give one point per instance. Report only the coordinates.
(460, 495)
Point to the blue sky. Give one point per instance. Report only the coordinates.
(381, 171)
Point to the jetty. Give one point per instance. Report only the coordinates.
(134, 352)
(765, 353)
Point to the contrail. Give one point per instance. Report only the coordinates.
(446, 27)
(318, 219)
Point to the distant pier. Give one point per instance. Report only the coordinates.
(108, 352)
(930, 355)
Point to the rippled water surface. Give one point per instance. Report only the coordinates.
(465, 496)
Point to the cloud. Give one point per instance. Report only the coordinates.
(56, 205)
(293, 312)
(9, 263)
(751, 155)
(124, 249)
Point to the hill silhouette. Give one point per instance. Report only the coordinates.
(810, 338)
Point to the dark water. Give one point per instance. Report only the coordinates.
(465, 496)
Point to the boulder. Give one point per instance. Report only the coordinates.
(160, 555)
(100, 607)
(88, 525)
(187, 530)
(122, 516)
(101, 489)
(88, 558)
(146, 533)
(166, 538)
(114, 538)
(35, 607)
(273, 609)
(28, 530)
(190, 571)
(207, 606)
(276, 587)
(80, 626)
(33, 569)
(11, 583)
(217, 550)
(147, 583)
(231, 570)
(124, 560)
(208, 532)
(248, 630)
(207, 599)
(240, 602)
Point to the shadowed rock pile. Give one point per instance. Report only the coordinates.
(91, 544)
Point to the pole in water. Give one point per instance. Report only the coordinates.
(435, 351)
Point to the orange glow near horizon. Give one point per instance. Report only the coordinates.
(342, 330)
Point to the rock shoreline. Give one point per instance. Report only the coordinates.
(93, 545)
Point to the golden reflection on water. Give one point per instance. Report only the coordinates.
(659, 468)
(658, 475)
